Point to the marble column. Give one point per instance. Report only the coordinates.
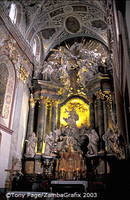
(110, 114)
(100, 121)
(53, 119)
(31, 116)
(48, 115)
(40, 125)
(92, 117)
(30, 125)
(105, 115)
(96, 113)
(54, 116)
(58, 115)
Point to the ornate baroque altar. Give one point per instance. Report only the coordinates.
(72, 115)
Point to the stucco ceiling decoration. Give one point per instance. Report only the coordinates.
(72, 24)
(53, 18)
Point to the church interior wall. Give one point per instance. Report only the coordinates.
(19, 120)
(121, 65)
(127, 17)
(34, 109)
(23, 122)
(4, 156)
(20, 70)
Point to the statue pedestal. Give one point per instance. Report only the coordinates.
(100, 164)
(32, 165)
(69, 186)
(29, 166)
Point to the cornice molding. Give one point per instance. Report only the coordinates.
(6, 129)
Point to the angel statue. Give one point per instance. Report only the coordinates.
(93, 142)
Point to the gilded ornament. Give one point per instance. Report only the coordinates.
(18, 60)
(105, 96)
(6, 111)
(23, 74)
(74, 66)
(32, 101)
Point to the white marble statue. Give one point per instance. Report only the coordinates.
(51, 142)
(47, 71)
(112, 143)
(93, 142)
(77, 64)
(31, 144)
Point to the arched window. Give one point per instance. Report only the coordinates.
(3, 82)
(13, 13)
(36, 47)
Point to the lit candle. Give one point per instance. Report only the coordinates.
(62, 172)
(77, 172)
